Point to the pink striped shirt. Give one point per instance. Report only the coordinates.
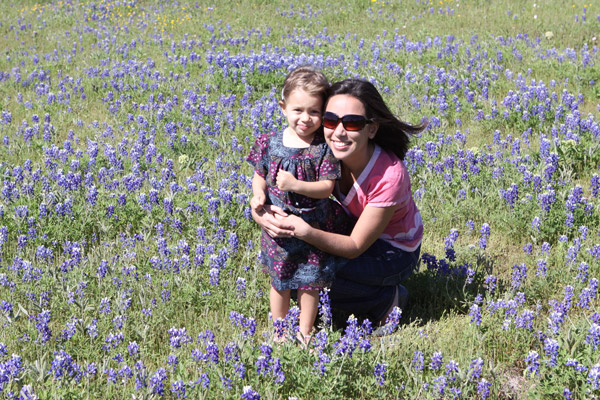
(383, 183)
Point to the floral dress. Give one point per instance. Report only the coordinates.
(290, 262)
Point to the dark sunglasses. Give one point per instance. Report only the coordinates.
(350, 122)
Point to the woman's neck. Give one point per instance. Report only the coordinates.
(353, 167)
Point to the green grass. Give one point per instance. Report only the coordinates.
(159, 261)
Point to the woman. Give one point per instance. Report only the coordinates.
(384, 244)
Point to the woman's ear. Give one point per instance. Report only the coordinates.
(373, 129)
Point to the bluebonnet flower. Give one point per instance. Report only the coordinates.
(141, 375)
(533, 363)
(511, 195)
(451, 370)
(104, 306)
(179, 389)
(325, 309)
(567, 394)
(545, 248)
(353, 337)
(250, 394)
(134, 349)
(490, 283)
(475, 314)
(157, 381)
(546, 200)
(392, 321)
(10, 370)
(321, 363)
(449, 244)
(379, 372)
(248, 323)
(70, 328)
(231, 352)
(291, 320)
(439, 385)
(594, 377)
(42, 321)
(525, 319)
(173, 361)
(576, 365)
(483, 388)
(178, 337)
(436, 361)
(593, 336)
(92, 328)
(277, 371)
(484, 235)
(263, 362)
(240, 287)
(595, 185)
(551, 348)
(519, 274)
(214, 278)
(27, 393)
(63, 366)
(556, 320)
(542, 268)
(585, 297)
(475, 369)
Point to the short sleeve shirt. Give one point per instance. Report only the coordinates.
(383, 183)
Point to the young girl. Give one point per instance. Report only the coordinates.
(295, 170)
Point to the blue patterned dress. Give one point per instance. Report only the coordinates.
(290, 262)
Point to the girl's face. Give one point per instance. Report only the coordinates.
(303, 112)
(348, 145)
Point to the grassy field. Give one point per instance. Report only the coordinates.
(127, 254)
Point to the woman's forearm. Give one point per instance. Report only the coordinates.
(332, 243)
(369, 227)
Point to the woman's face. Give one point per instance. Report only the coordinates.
(348, 145)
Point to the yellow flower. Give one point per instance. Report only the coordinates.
(183, 159)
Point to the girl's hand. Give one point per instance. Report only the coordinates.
(257, 202)
(286, 181)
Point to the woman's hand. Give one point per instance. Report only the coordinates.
(274, 221)
(300, 227)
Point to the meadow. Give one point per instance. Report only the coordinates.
(128, 254)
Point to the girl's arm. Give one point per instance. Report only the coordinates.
(368, 228)
(259, 192)
(267, 216)
(315, 190)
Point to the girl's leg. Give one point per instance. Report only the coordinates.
(280, 303)
(309, 304)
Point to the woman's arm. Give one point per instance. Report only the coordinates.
(368, 228)
(315, 190)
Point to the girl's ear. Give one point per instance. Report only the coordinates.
(282, 105)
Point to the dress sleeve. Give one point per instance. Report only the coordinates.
(259, 156)
(329, 166)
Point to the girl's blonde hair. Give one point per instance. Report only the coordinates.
(308, 78)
